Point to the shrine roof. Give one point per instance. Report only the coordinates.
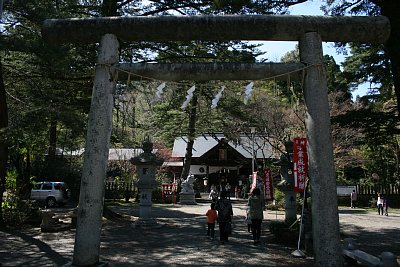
(206, 142)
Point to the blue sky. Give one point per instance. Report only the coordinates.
(275, 50)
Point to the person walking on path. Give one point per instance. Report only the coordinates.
(353, 199)
(228, 190)
(211, 218)
(213, 195)
(248, 219)
(379, 204)
(256, 204)
(385, 206)
(237, 191)
(225, 213)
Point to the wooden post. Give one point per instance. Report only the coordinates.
(325, 218)
(91, 198)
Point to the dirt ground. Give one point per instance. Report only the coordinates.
(179, 239)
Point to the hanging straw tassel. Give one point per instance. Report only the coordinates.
(214, 102)
(188, 97)
(160, 92)
(249, 90)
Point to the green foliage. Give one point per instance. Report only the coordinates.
(279, 197)
(16, 213)
(156, 195)
(369, 64)
(11, 179)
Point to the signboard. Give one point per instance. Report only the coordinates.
(300, 164)
(343, 190)
(268, 186)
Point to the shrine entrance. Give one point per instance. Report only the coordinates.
(309, 31)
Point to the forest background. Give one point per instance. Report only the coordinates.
(45, 93)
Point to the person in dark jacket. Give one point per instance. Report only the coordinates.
(256, 204)
(225, 213)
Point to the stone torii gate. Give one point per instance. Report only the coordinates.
(310, 31)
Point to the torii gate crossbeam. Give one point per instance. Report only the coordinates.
(218, 28)
(310, 31)
(210, 71)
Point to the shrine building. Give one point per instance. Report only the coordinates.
(215, 160)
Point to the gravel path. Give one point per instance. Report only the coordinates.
(373, 233)
(180, 240)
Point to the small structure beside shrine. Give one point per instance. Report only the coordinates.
(146, 163)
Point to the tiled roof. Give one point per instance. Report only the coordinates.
(206, 142)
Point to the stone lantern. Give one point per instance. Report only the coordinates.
(146, 164)
(287, 182)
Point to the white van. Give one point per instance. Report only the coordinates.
(52, 193)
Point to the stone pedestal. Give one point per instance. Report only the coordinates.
(145, 204)
(290, 207)
(187, 195)
(187, 199)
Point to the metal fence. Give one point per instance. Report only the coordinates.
(120, 190)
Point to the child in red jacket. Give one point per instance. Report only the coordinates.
(211, 218)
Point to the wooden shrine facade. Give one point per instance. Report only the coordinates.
(216, 160)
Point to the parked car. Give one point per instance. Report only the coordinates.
(52, 193)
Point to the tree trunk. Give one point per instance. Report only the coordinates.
(191, 136)
(3, 143)
(22, 165)
(51, 157)
(391, 10)
(109, 8)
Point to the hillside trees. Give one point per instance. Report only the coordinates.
(377, 114)
(47, 91)
(389, 51)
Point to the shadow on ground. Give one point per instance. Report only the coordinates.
(179, 238)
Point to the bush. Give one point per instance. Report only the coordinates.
(17, 213)
(279, 197)
(276, 227)
(282, 233)
(157, 195)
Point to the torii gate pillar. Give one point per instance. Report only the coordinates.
(91, 198)
(325, 218)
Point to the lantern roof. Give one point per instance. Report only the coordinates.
(147, 157)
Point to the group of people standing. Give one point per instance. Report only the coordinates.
(221, 211)
(239, 191)
(381, 203)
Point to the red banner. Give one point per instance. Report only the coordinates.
(268, 187)
(300, 164)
